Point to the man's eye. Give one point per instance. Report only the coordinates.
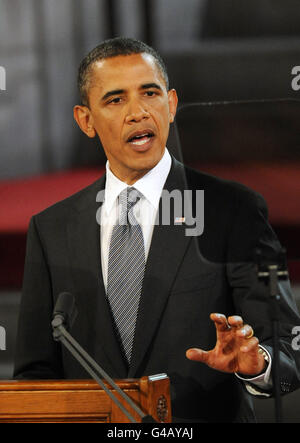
(115, 100)
(150, 93)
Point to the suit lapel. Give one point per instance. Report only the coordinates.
(84, 235)
(168, 246)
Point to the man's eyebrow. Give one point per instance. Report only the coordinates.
(151, 85)
(110, 93)
(121, 91)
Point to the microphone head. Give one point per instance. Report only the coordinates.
(65, 308)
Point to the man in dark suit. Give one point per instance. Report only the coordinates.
(197, 291)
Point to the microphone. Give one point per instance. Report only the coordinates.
(64, 314)
(65, 308)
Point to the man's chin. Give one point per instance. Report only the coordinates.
(139, 167)
(146, 161)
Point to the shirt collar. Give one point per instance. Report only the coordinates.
(150, 185)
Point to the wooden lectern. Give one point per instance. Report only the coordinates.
(82, 401)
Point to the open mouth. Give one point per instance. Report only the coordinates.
(140, 138)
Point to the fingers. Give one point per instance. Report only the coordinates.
(245, 332)
(233, 322)
(236, 349)
(250, 345)
(220, 321)
(196, 354)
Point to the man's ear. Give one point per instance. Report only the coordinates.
(173, 101)
(84, 119)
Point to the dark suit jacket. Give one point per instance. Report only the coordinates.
(186, 279)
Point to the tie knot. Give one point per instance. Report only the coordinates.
(127, 199)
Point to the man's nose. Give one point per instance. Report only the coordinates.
(136, 112)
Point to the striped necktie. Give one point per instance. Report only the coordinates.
(126, 267)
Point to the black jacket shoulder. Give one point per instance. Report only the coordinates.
(76, 202)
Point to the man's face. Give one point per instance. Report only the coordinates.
(130, 110)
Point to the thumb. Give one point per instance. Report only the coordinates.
(197, 354)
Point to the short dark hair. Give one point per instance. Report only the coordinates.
(112, 48)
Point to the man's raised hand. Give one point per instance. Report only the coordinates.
(236, 350)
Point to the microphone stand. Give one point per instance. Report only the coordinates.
(95, 371)
(272, 271)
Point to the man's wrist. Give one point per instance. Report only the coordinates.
(266, 361)
(262, 381)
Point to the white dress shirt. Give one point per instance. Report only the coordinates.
(150, 186)
(145, 210)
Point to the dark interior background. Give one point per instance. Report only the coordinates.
(231, 63)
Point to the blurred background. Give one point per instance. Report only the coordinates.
(232, 65)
